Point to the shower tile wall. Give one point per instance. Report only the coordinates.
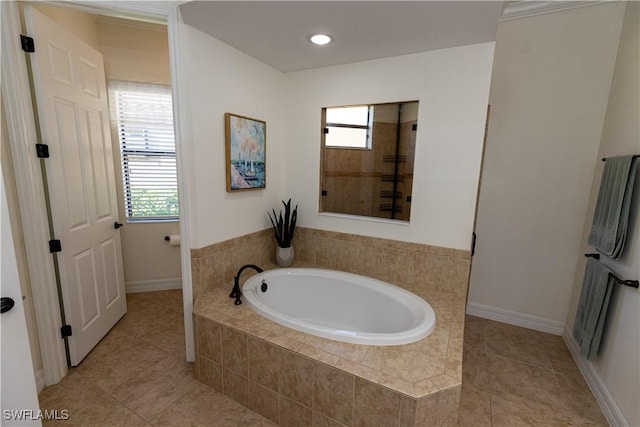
(353, 177)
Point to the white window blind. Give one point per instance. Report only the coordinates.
(144, 118)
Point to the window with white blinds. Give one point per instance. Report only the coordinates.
(144, 116)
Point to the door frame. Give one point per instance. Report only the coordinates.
(21, 128)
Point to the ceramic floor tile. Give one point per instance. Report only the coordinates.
(106, 413)
(202, 406)
(562, 396)
(111, 370)
(170, 299)
(148, 318)
(115, 341)
(509, 410)
(562, 362)
(577, 401)
(169, 338)
(475, 406)
(86, 404)
(522, 379)
(73, 393)
(153, 390)
(525, 391)
(516, 343)
(475, 368)
(136, 375)
(474, 332)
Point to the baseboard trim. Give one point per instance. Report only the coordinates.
(39, 375)
(153, 285)
(606, 402)
(518, 319)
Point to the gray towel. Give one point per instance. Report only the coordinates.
(611, 216)
(597, 285)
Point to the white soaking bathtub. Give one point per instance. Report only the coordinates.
(340, 306)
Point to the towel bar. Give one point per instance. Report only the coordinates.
(631, 283)
(635, 156)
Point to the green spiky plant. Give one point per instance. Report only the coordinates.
(284, 226)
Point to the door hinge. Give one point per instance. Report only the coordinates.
(27, 43)
(42, 151)
(66, 331)
(55, 246)
(414, 127)
(473, 243)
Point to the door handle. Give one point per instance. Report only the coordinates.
(117, 225)
(6, 304)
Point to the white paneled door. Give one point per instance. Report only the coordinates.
(73, 114)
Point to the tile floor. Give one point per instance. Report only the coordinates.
(137, 376)
(513, 376)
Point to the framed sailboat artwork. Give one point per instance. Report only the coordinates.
(246, 146)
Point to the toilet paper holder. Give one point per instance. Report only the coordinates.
(173, 239)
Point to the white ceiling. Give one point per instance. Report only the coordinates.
(276, 32)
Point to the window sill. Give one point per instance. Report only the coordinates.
(152, 221)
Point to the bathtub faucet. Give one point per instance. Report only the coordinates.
(235, 292)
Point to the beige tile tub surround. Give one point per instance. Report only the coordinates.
(218, 263)
(276, 371)
(293, 378)
(413, 266)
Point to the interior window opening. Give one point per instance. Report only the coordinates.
(348, 127)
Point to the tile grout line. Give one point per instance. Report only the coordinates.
(486, 355)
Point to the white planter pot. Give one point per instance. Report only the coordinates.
(284, 256)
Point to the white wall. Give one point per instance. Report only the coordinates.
(78, 23)
(452, 86)
(618, 363)
(551, 80)
(222, 79)
(139, 52)
(8, 176)
(134, 51)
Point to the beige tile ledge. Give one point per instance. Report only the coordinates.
(385, 243)
(209, 250)
(428, 366)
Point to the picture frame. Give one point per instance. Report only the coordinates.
(246, 148)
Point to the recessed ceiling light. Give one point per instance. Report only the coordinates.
(320, 39)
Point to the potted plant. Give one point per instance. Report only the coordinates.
(284, 227)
